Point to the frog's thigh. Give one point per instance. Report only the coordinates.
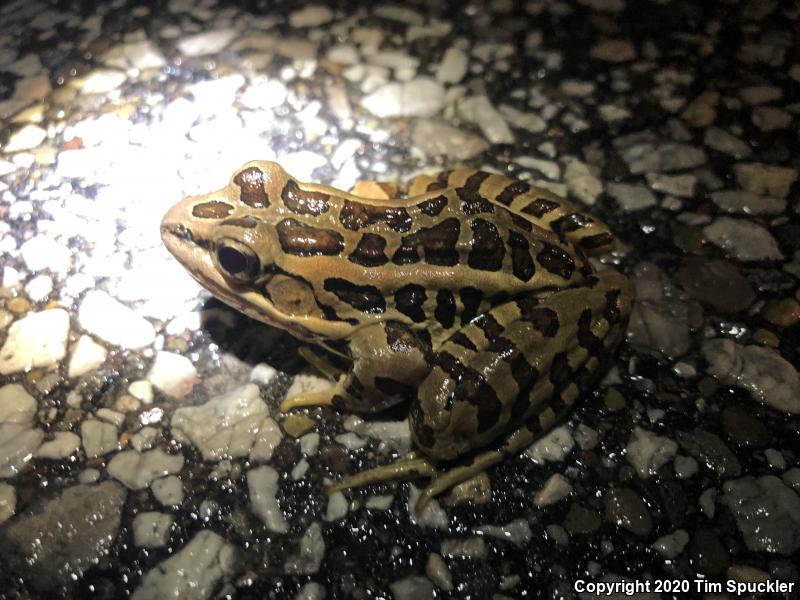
(422, 184)
(528, 358)
(549, 211)
(375, 190)
(389, 361)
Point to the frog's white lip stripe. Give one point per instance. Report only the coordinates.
(196, 259)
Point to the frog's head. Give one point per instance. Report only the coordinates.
(230, 242)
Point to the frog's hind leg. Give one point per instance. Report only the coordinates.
(423, 184)
(526, 361)
(376, 190)
(544, 209)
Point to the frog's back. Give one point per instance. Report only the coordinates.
(536, 209)
(456, 244)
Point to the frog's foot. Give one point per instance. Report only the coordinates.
(412, 466)
(320, 398)
(408, 466)
(514, 442)
(446, 480)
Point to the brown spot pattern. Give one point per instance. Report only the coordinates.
(560, 372)
(423, 433)
(300, 239)
(570, 222)
(212, 210)
(540, 207)
(366, 298)
(487, 247)
(391, 387)
(471, 299)
(472, 203)
(471, 387)
(556, 261)
(592, 242)
(355, 216)
(433, 206)
(522, 264)
(462, 340)
(544, 319)
(400, 339)
(435, 186)
(512, 190)
(585, 337)
(525, 376)
(409, 300)
(445, 311)
(521, 222)
(304, 202)
(251, 182)
(438, 244)
(489, 406)
(369, 251)
(490, 327)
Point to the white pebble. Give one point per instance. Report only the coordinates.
(141, 389)
(37, 340)
(138, 469)
(152, 529)
(114, 322)
(670, 546)
(87, 355)
(26, 138)
(556, 488)
(98, 437)
(173, 374)
(168, 490)
(63, 444)
(337, 507)
(262, 483)
(39, 288)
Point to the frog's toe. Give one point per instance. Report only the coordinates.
(451, 478)
(321, 398)
(409, 466)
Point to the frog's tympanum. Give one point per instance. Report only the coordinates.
(469, 295)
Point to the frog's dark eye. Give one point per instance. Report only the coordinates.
(237, 260)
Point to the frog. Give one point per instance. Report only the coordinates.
(466, 294)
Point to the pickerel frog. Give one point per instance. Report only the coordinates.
(467, 294)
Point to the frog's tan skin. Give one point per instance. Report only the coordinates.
(471, 297)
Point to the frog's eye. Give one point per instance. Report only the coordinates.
(237, 260)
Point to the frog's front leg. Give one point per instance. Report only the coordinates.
(389, 361)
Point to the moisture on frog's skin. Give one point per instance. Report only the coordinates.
(487, 277)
